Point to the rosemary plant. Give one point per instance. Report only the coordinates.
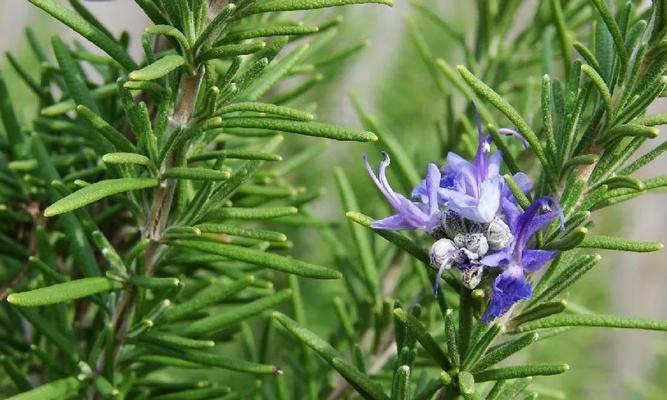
(145, 207)
(494, 239)
(133, 202)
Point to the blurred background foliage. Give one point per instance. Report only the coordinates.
(394, 84)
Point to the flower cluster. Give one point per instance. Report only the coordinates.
(476, 222)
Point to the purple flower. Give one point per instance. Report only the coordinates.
(410, 215)
(516, 260)
(475, 190)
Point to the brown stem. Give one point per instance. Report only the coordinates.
(159, 213)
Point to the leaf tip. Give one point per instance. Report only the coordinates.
(11, 299)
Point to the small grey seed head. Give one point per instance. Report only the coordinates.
(475, 243)
(444, 251)
(498, 234)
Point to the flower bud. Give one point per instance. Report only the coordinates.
(475, 244)
(444, 251)
(498, 234)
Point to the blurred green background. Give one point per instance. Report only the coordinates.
(393, 84)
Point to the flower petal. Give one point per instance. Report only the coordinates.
(432, 185)
(381, 181)
(393, 223)
(535, 259)
(496, 259)
(509, 288)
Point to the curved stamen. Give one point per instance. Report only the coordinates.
(381, 181)
(443, 266)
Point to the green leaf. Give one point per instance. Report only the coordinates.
(594, 320)
(508, 390)
(293, 5)
(63, 292)
(615, 31)
(7, 115)
(424, 337)
(451, 339)
(564, 278)
(195, 394)
(460, 84)
(524, 202)
(231, 50)
(212, 295)
(104, 387)
(236, 154)
(261, 258)
(117, 139)
(520, 372)
(272, 74)
(87, 30)
(587, 55)
(165, 339)
(18, 377)
(466, 383)
(97, 191)
(501, 352)
(266, 108)
(307, 337)
(170, 31)
(51, 332)
(504, 107)
(628, 130)
(645, 159)
(359, 236)
(547, 116)
(150, 282)
(480, 345)
(158, 69)
(569, 241)
(601, 86)
(401, 386)
(213, 28)
(79, 247)
(399, 240)
(76, 85)
(251, 213)
(279, 30)
(215, 360)
(127, 158)
(55, 390)
(405, 167)
(364, 385)
(243, 232)
(316, 129)
(99, 93)
(564, 35)
(615, 243)
(196, 174)
(539, 311)
(584, 159)
(629, 182)
(219, 321)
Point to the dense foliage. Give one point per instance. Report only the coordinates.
(145, 207)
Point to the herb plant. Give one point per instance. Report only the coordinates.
(133, 202)
(145, 207)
